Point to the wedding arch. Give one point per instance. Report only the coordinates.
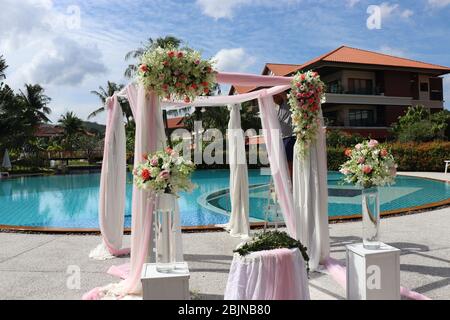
(303, 202)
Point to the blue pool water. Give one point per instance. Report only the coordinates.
(71, 201)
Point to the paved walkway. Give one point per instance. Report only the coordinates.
(34, 266)
(432, 175)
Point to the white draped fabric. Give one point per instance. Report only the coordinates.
(6, 163)
(310, 200)
(268, 275)
(278, 162)
(239, 218)
(112, 185)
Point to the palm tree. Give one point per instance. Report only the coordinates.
(166, 42)
(35, 103)
(70, 123)
(103, 94)
(3, 67)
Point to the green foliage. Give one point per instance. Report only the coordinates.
(3, 67)
(272, 240)
(420, 125)
(104, 93)
(338, 138)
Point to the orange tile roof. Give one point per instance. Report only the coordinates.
(174, 123)
(346, 54)
(279, 69)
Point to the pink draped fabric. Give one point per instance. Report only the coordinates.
(112, 180)
(268, 275)
(337, 271)
(147, 114)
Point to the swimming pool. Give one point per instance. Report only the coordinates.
(71, 201)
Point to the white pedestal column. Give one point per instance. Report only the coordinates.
(373, 274)
(165, 286)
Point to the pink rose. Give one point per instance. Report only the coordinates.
(344, 171)
(358, 146)
(154, 162)
(383, 153)
(373, 143)
(367, 169)
(361, 160)
(165, 174)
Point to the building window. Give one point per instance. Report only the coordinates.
(361, 118)
(424, 86)
(360, 86)
(331, 118)
(334, 87)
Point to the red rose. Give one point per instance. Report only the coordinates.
(180, 54)
(143, 68)
(166, 63)
(205, 84)
(302, 77)
(187, 100)
(171, 54)
(206, 90)
(145, 174)
(209, 70)
(165, 87)
(178, 84)
(383, 153)
(194, 86)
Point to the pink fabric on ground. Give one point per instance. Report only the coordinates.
(94, 294)
(337, 271)
(268, 275)
(121, 271)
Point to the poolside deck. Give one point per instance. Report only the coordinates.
(34, 266)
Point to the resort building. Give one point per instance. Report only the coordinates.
(367, 91)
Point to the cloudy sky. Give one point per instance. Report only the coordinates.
(72, 47)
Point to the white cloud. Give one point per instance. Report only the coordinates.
(387, 10)
(42, 48)
(65, 62)
(218, 9)
(407, 13)
(235, 59)
(438, 3)
(352, 3)
(392, 51)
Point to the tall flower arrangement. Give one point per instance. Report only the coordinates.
(176, 74)
(164, 171)
(370, 164)
(306, 95)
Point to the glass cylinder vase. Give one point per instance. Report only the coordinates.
(165, 232)
(371, 218)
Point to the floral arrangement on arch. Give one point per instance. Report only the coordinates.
(176, 74)
(370, 164)
(164, 171)
(307, 91)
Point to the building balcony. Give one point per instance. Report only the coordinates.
(367, 99)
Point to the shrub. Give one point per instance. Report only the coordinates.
(420, 125)
(411, 156)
